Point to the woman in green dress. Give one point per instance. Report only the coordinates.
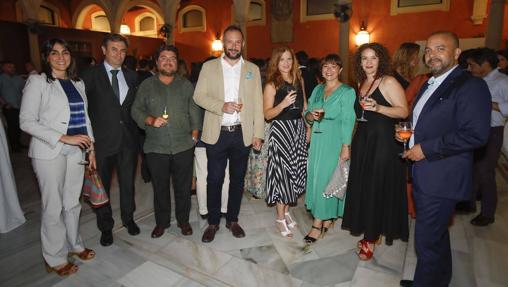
(330, 140)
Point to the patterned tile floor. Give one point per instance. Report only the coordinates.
(262, 258)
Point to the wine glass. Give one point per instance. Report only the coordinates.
(321, 114)
(165, 113)
(363, 100)
(290, 89)
(404, 131)
(84, 157)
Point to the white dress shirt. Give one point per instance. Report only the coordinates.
(122, 83)
(498, 87)
(434, 83)
(231, 75)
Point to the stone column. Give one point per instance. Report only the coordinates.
(281, 26)
(241, 16)
(495, 24)
(30, 17)
(344, 37)
(169, 8)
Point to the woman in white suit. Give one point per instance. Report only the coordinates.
(54, 112)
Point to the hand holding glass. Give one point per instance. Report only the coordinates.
(404, 131)
(290, 89)
(165, 114)
(320, 115)
(363, 100)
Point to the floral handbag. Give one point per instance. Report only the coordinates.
(93, 190)
(338, 182)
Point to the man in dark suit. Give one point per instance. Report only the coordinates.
(111, 90)
(451, 117)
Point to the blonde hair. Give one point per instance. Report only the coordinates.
(402, 60)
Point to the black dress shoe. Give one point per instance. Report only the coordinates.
(406, 283)
(106, 238)
(236, 229)
(209, 234)
(132, 227)
(204, 216)
(185, 228)
(158, 231)
(481, 220)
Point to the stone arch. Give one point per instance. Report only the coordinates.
(126, 5)
(79, 14)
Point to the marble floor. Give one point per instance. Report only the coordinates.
(262, 258)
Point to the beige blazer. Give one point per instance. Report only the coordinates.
(45, 114)
(209, 94)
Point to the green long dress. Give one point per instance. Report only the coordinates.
(337, 128)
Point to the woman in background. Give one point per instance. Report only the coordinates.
(54, 112)
(405, 62)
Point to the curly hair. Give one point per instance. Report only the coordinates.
(384, 67)
(403, 57)
(273, 74)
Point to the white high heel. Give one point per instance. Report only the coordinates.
(289, 220)
(286, 232)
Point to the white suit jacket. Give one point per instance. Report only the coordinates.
(45, 115)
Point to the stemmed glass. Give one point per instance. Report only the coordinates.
(363, 100)
(165, 113)
(321, 113)
(84, 152)
(404, 131)
(290, 89)
(240, 103)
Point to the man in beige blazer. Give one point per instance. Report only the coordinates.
(229, 89)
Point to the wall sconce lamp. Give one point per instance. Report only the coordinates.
(125, 30)
(217, 45)
(362, 37)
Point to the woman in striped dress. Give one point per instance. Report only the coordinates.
(284, 101)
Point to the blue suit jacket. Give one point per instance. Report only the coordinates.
(454, 121)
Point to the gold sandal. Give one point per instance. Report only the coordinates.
(86, 254)
(66, 270)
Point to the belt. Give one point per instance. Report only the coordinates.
(231, 128)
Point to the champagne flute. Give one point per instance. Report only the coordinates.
(165, 113)
(363, 99)
(404, 131)
(321, 114)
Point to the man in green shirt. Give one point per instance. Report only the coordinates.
(164, 108)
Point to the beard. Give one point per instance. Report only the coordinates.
(438, 69)
(233, 57)
(167, 73)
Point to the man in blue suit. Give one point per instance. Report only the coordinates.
(451, 118)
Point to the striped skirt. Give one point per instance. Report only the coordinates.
(287, 162)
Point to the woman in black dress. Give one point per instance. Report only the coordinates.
(376, 201)
(284, 101)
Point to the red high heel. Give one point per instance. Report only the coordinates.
(365, 253)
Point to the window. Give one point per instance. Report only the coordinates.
(48, 14)
(146, 25)
(256, 13)
(316, 10)
(100, 22)
(412, 6)
(192, 18)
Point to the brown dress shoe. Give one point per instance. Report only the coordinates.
(158, 231)
(209, 234)
(236, 229)
(185, 228)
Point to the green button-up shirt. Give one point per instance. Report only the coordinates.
(184, 115)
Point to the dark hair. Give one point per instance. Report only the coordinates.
(232, 28)
(113, 37)
(47, 47)
(452, 35)
(464, 55)
(331, 59)
(143, 63)
(302, 58)
(166, 47)
(482, 55)
(503, 53)
(384, 67)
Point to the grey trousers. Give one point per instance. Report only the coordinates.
(60, 182)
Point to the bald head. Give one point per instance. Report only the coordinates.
(447, 34)
(441, 52)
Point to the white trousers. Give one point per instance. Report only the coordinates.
(200, 166)
(60, 182)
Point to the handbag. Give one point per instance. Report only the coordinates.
(338, 182)
(93, 190)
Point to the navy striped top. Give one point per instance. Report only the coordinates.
(77, 122)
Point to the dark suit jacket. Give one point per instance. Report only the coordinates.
(454, 121)
(113, 126)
